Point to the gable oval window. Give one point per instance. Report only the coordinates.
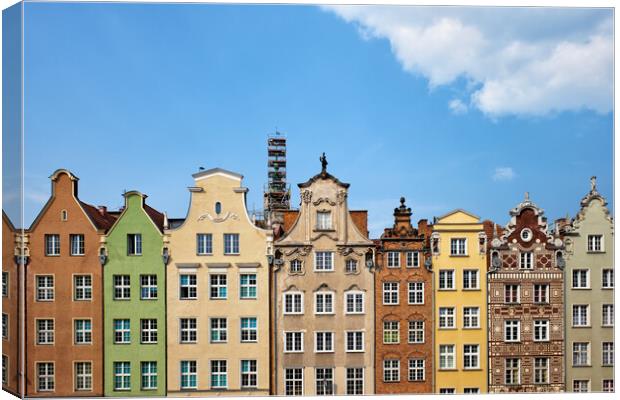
(218, 207)
(64, 215)
(526, 235)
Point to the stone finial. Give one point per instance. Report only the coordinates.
(593, 184)
(527, 196)
(402, 201)
(323, 160)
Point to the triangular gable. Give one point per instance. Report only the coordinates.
(458, 216)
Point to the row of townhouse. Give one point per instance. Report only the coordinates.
(133, 303)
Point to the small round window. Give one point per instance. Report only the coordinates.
(526, 235)
(218, 207)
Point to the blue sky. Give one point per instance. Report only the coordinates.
(447, 107)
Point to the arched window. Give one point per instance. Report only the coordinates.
(63, 215)
(218, 207)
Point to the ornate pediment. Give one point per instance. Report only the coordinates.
(218, 219)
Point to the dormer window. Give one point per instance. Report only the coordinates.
(323, 220)
(527, 259)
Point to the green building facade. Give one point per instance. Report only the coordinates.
(590, 297)
(135, 302)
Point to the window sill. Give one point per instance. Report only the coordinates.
(447, 329)
(473, 328)
(52, 255)
(448, 369)
(582, 366)
(203, 254)
(459, 255)
(188, 298)
(446, 290)
(472, 290)
(77, 255)
(472, 369)
(581, 288)
(581, 326)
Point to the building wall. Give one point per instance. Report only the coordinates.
(593, 218)
(254, 244)
(134, 219)
(460, 224)
(10, 344)
(346, 241)
(64, 309)
(403, 238)
(545, 270)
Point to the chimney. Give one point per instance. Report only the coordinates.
(102, 210)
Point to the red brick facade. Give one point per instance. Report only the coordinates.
(406, 248)
(10, 308)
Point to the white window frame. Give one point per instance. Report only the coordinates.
(76, 244)
(5, 284)
(125, 328)
(576, 322)
(546, 292)
(46, 382)
(513, 368)
(83, 376)
(82, 287)
(506, 290)
(391, 370)
(216, 283)
(354, 379)
(471, 314)
(458, 247)
(324, 221)
(389, 289)
(204, 244)
(592, 245)
(472, 355)
(444, 276)
(122, 286)
(296, 266)
(413, 259)
(350, 266)
(526, 260)
(577, 281)
(417, 290)
(189, 330)
(45, 334)
(541, 325)
(232, 244)
(149, 376)
(134, 244)
(578, 352)
(355, 294)
(294, 335)
(467, 279)
(393, 259)
(250, 376)
(580, 381)
(248, 286)
(216, 371)
(607, 354)
(607, 318)
(191, 286)
(250, 333)
(510, 327)
(414, 330)
(447, 317)
(148, 285)
(324, 386)
(45, 291)
(148, 331)
(321, 304)
(83, 335)
(541, 369)
(415, 367)
(192, 370)
(323, 261)
(324, 335)
(218, 326)
(294, 310)
(358, 337)
(296, 381)
(52, 245)
(607, 279)
(447, 352)
(122, 375)
(390, 328)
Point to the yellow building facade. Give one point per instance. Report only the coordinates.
(458, 245)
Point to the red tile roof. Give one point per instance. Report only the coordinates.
(101, 218)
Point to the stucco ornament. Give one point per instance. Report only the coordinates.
(324, 199)
(341, 196)
(306, 196)
(217, 220)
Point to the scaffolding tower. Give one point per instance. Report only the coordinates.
(277, 193)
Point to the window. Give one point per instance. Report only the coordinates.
(355, 341)
(581, 315)
(45, 331)
(5, 326)
(249, 329)
(218, 207)
(295, 266)
(52, 245)
(188, 287)
(470, 279)
(581, 386)
(204, 244)
(581, 354)
(149, 375)
(608, 315)
(134, 244)
(5, 369)
(446, 318)
(526, 235)
(219, 374)
(393, 259)
(122, 375)
(471, 356)
(512, 328)
(391, 370)
(148, 287)
(77, 245)
(324, 381)
(231, 243)
(249, 374)
(323, 342)
(247, 286)
(294, 382)
(189, 331)
(447, 391)
(122, 333)
(323, 303)
(293, 342)
(541, 330)
(541, 293)
(390, 293)
(293, 303)
(64, 215)
(219, 330)
(581, 279)
(82, 287)
(45, 288)
(512, 371)
(447, 356)
(324, 261)
(471, 317)
(83, 376)
(595, 243)
(122, 287)
(83, 331)
(45, 377)
(148, 331)
(355, 381)
(458, 247)
(5, 284)
(608, 385)
(354, 302)
(526, 260)
(608, 279)
(541, 370)
(416, 292)
(350, 266)
(218, 286)
(416, 332)
(413, 259)
(608, 353)
(471, 390)
(416, 369)
(189, 375)
(323, 220)
(511, 294)
(446, 279)
(391, 332)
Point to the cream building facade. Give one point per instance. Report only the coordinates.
(218, 293)
(323, 300)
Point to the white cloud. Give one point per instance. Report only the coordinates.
(457, 106)
(519, 61)
(503, 174)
